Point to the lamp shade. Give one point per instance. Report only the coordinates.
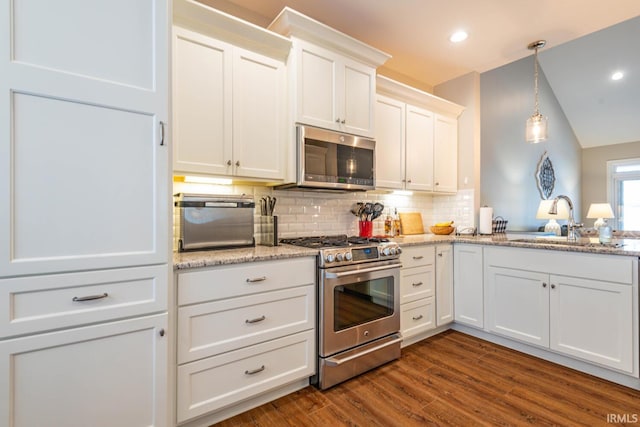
(545, 205)
(600, 210)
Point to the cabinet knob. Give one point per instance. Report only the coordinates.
(553, 286)
(228, 162)
(544, 285)
(437, 183)
(342, 121)
(161, 332)
(338, 120)
(409, 181)
(440, 254)
(238, 163)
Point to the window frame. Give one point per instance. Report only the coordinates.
(614, 179)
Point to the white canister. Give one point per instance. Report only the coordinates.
(485, 223)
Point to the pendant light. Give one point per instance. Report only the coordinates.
(536, 130)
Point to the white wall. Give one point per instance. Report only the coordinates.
(508, 163)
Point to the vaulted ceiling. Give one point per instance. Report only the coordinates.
(416, 32)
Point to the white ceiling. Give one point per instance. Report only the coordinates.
(415, 33)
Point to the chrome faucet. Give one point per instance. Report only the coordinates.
(572, 234)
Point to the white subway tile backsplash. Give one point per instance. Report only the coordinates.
(303, 213)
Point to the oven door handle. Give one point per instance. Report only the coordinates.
(359, 271)
(334, 361)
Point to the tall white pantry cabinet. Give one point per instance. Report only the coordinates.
(84, 179)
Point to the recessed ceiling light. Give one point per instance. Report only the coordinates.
(617, 75)
(458, 36)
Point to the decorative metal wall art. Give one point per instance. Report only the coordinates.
(545, 176)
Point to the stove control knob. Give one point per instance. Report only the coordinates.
(398, 251)
(386, 252)
(329, 258)
(393, 251)
(347, 256)
(339, 257)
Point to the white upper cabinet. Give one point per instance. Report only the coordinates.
(416, 139)
(83, 147)
(332, 75)
(229, 95)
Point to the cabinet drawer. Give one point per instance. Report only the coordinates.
(219, 326)
(40, 303)
(416, 283)
(417, 256)
(418, 316)
(244, 279)
(220, 381)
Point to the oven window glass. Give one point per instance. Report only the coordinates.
(358, 303)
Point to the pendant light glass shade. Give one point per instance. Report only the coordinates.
(536, 129)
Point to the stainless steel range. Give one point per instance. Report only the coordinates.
(358, 305)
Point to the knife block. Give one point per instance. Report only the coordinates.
(268, 231)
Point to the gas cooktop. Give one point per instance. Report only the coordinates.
(334, 241)
(341, 250)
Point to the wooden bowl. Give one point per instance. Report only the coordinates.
(441, 230)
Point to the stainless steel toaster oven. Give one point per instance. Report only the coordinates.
(213, 222)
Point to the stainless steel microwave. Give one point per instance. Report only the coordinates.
(330, 160)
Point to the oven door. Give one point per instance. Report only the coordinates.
(358, 304)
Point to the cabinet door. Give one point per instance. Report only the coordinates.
(518, 304)
(316, 86)
(445, 168)
(258, 115)
(419, 150)
(390, 146)
(105, 375)
(593, 320)
(202, 103)
(468, 289)
(444, 284)
(83, 162)
(355, 98)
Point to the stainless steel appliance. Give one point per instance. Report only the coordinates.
(358, 305)
(214, 222)
(329, 160)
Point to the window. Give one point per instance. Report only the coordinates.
(624, 193)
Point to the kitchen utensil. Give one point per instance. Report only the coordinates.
(368, 210)
(411, 223)
(378, 208)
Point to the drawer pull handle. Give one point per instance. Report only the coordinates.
(256, 320)
(257, 279)
(254, 371)
(418, 317)
(90, 297)
(418, 257)
(415, 285)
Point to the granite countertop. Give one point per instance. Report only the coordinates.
(623, 246)
(210, 258)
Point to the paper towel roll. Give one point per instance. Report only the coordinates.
(485, 225)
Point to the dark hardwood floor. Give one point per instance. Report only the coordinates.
(458, 380)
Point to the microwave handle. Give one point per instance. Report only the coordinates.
(359, 271)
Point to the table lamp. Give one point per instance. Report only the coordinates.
(601, 211)
(543, 213)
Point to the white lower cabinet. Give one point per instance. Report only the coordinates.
(469, 285)
(111, 374)
(243, 330)
(444, 284)
(577, 304)
(417, 290)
